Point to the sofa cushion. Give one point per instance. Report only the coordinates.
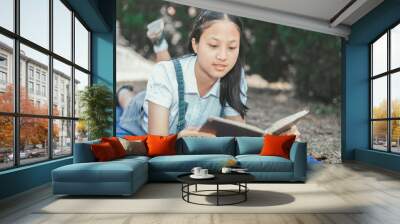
(83, 152)
(249, 145)
(103, 152)
(116, 145)
(111, 171)
(134, 147)
(161, 145)
(206, 145)
(257, 163)
(185, 163)
(277, 145)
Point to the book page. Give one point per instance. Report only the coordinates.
(285, 123)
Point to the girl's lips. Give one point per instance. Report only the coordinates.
(219, 66)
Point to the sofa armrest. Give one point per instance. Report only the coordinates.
(83, 152)
(298, 155)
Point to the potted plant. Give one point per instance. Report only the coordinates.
(96, 102)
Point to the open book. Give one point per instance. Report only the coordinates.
(224, 127)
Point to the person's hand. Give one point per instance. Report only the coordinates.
(292, 131)
(155, 37)
(194, 132)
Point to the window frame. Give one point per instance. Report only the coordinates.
(388, 74)
(15, 72)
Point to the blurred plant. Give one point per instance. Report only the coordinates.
(310, 60)
(97, 103)
(81, 128)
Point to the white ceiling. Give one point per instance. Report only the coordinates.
(315, 15)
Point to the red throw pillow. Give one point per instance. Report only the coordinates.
(161, 145)
(103, 151)
(277, 145)
(116, 145)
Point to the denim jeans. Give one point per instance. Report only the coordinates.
(132, 116)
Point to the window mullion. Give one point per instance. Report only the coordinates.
(16, 84)
(371, 137)
(389, 106)
(73, 82)
(50, 81)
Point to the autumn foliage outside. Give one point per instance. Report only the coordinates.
(33, 131)
(379, 128)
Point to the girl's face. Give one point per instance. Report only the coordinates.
(218, 48)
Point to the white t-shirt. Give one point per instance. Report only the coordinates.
(162, 89)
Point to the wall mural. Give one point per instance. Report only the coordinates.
(234, 68)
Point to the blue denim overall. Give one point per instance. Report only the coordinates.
(134, 113)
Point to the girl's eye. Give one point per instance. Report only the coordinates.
(213, 46)
(232, 48)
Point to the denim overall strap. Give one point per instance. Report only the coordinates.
(181, 96)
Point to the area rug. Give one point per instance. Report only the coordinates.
(167, 198)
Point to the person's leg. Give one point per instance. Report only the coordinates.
(160, 45)
(124, 95)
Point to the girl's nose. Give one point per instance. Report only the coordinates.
(221, 55)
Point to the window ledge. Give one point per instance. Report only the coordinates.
(26, 167)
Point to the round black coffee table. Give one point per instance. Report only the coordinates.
(238, 179)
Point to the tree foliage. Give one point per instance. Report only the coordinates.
(33, 131)
(310, 60)
(380, 127)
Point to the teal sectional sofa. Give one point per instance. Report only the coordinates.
(125, 176)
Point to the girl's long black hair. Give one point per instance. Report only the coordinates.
(230, 84)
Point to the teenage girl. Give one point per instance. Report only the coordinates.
(182, 93)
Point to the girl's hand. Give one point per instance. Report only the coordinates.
(194, 132)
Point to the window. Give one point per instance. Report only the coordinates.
(3, 72)
(7, 14)
(385, 91)
(3, 61)
(30, 72)
(43, 77)
(54, 125)
(81, 45)
(30, 87)
(6, 71)
(62, 29)
(43, 90)
(38, 89)
(37, 74)
(62, 75)
(34, 22)
(3, 78)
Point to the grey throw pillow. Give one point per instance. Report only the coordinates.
(137, 148)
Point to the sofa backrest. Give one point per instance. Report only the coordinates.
(249, 145)
(83, 152)
(206, 145)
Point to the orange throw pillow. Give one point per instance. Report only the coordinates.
(103, 151)
(161, 145)
(116, 145)
(277, 145)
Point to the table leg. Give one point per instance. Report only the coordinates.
(245, 193)
(188, 189)
(217, 194)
